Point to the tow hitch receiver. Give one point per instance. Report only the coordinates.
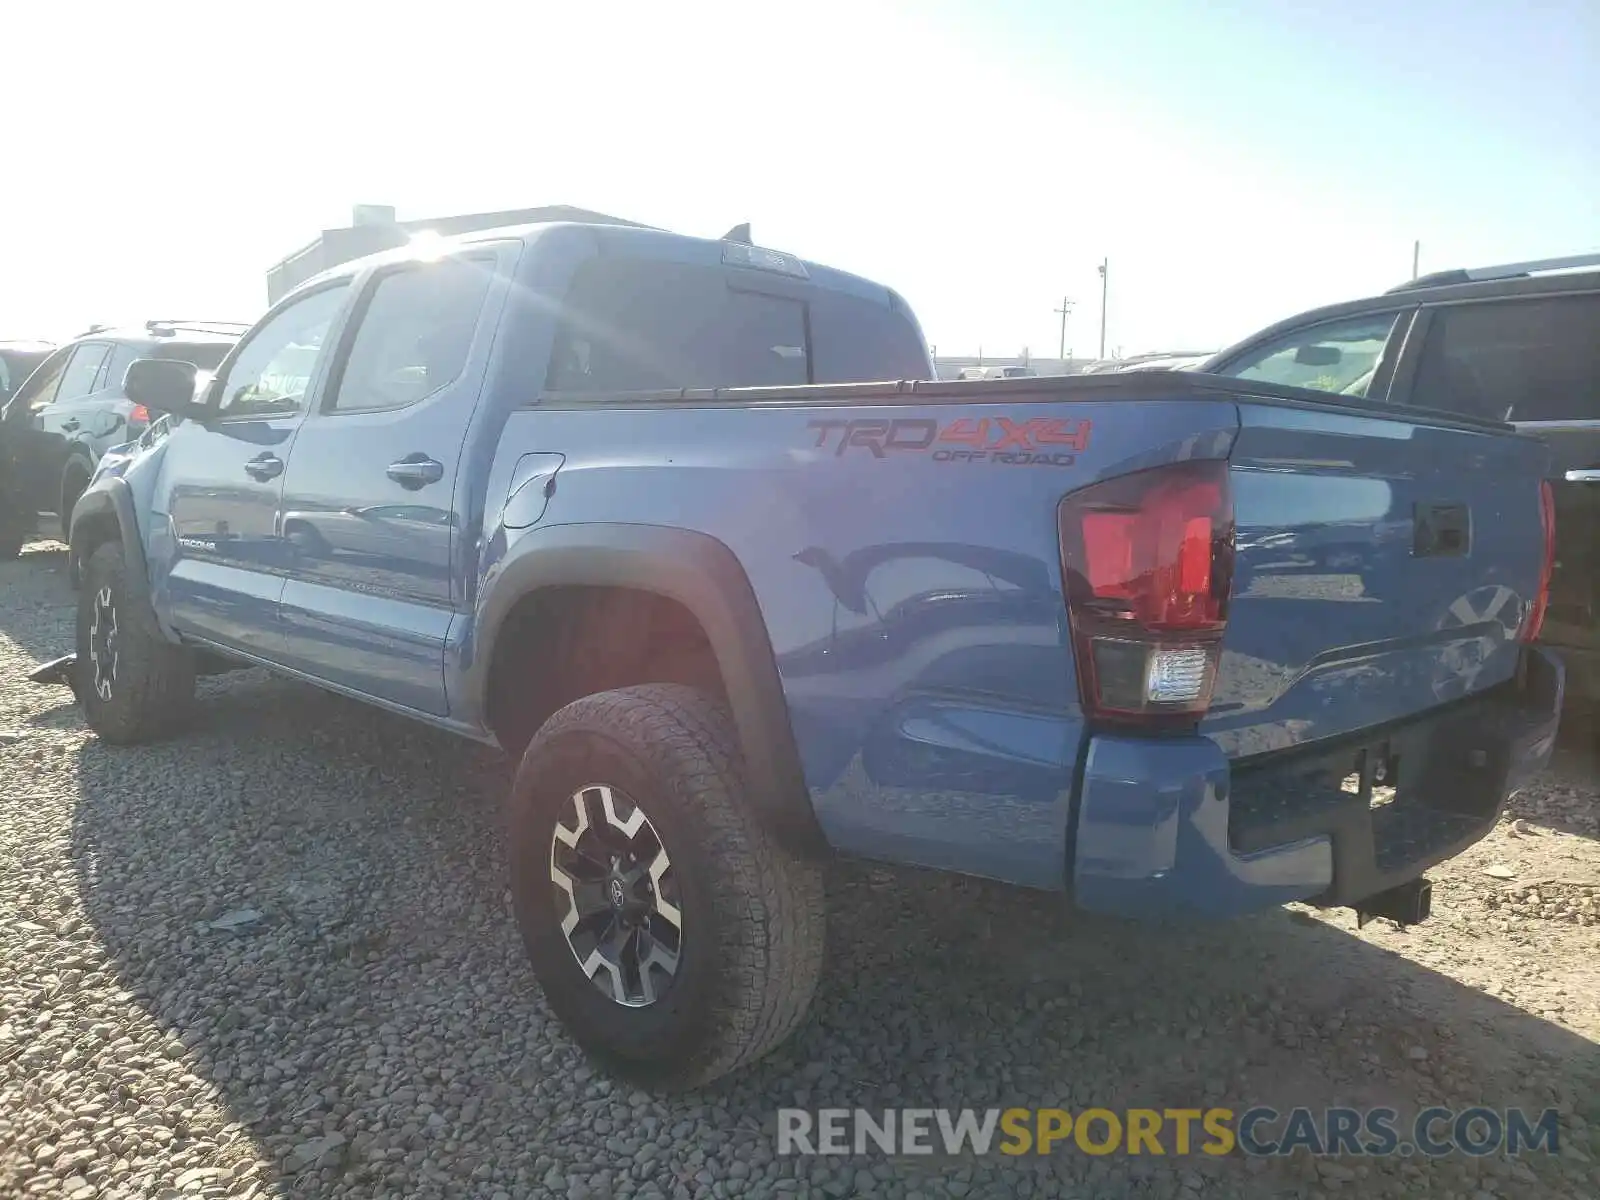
(1408, 904)
(57, 671)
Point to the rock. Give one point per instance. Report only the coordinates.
(314, 1153)
(1417, 1054)
(1499, 871)
(237, 919)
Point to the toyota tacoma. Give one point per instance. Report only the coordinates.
(1156, 644)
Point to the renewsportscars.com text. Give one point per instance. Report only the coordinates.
(1257, 1131)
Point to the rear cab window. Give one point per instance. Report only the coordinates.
(638, 324)
(854, 340)
(642, 325)
(1535, 359)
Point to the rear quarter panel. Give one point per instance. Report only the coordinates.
(910, 584)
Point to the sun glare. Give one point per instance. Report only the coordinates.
(426, 244)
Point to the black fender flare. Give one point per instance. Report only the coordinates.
(706, 577)
(107, 498)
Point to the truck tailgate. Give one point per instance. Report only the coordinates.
(1383, 568)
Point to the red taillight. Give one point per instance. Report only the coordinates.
(139, 416)
(1148, 562)
(1533, 622)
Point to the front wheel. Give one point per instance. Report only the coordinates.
(672, 935)
(133, 683)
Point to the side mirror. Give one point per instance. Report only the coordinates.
(1318, 356)
(163, 385)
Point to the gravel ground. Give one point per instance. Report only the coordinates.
(275, 956)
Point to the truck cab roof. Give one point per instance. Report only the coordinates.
(642, 242)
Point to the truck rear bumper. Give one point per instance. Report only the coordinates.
(1171, 828)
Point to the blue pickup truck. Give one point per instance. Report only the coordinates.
(1162, 645)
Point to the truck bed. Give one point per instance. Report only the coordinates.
(1035, 389)
(901, 539)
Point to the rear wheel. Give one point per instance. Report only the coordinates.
(671, 934)
(134, 685)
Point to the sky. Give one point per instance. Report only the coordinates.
(1233, 162)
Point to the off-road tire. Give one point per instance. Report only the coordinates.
(152, 693)
(752, 913)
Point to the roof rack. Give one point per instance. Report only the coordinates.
(1517, 270)
(225, 327)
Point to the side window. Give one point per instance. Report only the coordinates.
(273, 371)
(637, 325)
(117, 364)
(1336, 356)
(414, 334)
(1517, 360)
(78, 380)
(41, 386)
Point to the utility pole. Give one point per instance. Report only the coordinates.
(1066, 307)
(1416, 257)
(1105, 265)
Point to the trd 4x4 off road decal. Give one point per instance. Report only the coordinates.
(1033, 441)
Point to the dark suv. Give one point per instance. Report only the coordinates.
(1517, 343)
(71, 409)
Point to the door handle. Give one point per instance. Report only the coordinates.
(415, 470)
(70, 424)
(264, 466)
(1586, 475)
